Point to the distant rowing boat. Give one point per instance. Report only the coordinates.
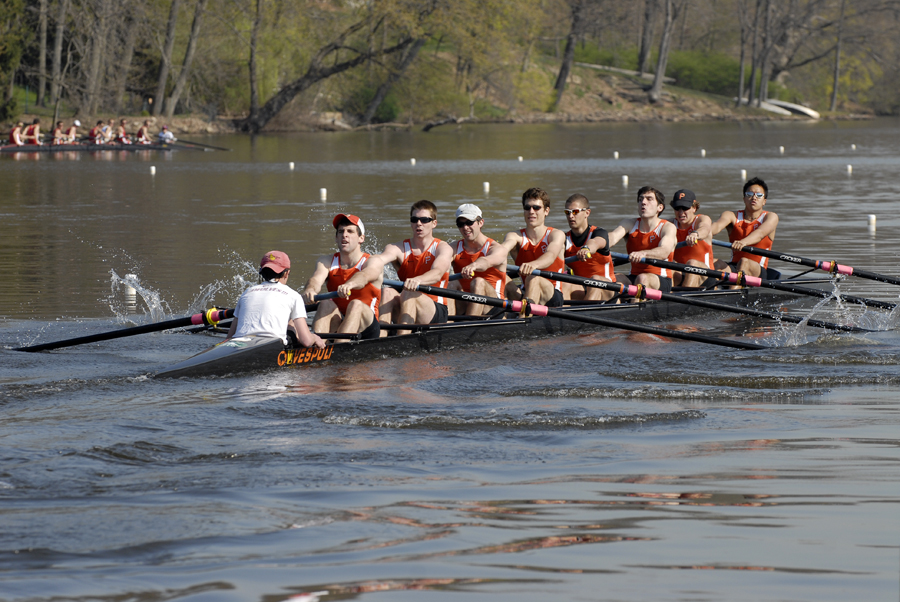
(67, 148)
(260, 353)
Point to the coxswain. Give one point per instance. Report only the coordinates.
(649, 236)
(59, 137)
(15, 136)
(165, 136)
(272, 308)
(695, 230)
(32, 133)
(143, 134)
(72, 133)
(109, 131)
(536, 247)
(95, 135)
(357, 278)
(121, 133)
(752, 227)
(590, 244)
(480, 260)
(420, 259)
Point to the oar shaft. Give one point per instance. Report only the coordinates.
(541, 310)
(207, 318)
(832, 267)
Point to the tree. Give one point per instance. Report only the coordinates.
(180, 83)
(381, 93)
(166, 59)
(673, 7)
(650, 10)
(579, 12)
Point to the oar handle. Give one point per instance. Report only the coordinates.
(728, 277)
(832, 267)
(629, 290)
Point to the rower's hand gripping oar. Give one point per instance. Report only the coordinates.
(542, 310)
(209, 318)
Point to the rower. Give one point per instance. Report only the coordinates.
(590, 245)
(143, 134)
(271, 308)
(536, 247)
(650, 236)
(15, 136)
(72, 133)
(695, 230)
(751, 227)
(165, 136)
(95, 135)
(32, 133)
(420, 259)
(121, 134)
(59, 137)
(109, 131)
(480, 260)
(357, 278)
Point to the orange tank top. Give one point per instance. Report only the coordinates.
(741, 229)
(597, 265)
(369, 294)
(528, 252)
(493, 276)
(416, 265)
(702, 251)
(644, 241)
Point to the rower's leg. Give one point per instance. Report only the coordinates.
(513, 291)
(415, 308)
(390, 304)
(690, 280)
(596, 294)
(648, 280)
(540, 290)
(328, 317)
(359, 317)
(481, 287)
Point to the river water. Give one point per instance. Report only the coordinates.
(604, 466)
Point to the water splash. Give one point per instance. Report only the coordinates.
(122, 298)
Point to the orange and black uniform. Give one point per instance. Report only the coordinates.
(492, 276)
(413, 266)
(740, 230)
(600, 263)
(529, 252)
(369, 294)
(702, 251)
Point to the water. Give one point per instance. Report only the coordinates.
(606, 466)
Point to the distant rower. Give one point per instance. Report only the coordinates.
(650, 236)
(694, 229)
(752, 227)
(480, 260)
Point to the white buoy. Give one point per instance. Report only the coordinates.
(323, 194)
(521, 159)
(624, 180)
(615, 154)
(291, 166)
(781, 150)
(852, 147)
(487, 187)
(702, 152)
(849, 169)
(153, 170)
(871, 221)
(412, 161)
(743, 174)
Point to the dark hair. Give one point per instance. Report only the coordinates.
(660, 197)
(579, 198)
(270, 274)
(346, 222)
(424, 205)
(756, 182)
(37, 120)
(538, 195)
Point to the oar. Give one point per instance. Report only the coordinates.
(210, 317)
(652, 293)
(210, 146)
(832, 267)
(541, 310)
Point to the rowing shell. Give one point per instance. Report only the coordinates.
(256, 353)
(65, 148)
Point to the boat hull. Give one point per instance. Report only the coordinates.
(67, 148)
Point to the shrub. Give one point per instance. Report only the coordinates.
(707, 72)
(359, 101)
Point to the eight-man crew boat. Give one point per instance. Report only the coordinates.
(256, 353)
(65, 148)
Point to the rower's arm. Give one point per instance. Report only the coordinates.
(666, 243)
(556, 245)
(703, 231)
(619, 231)
(315, 282)
(599, 242)
(726, 220)
(441, 266)
(306, 337)
(373, 272)
(497, 256)
(766, 229)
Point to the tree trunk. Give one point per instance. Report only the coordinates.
(42, 52)
(837, 60)
(392, 78)
(166, 59)
(754, 56)
(765, 65)
(317, 72)
(664, 43)
(650, 7)
(254, 84)
(569, 54)
(121, 85)
(188, 58)
(96, 65)
(56, 82)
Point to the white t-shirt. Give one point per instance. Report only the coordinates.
(267, 308)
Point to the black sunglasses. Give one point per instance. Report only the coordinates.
(532, 207)
(463, 222)
(421, 220)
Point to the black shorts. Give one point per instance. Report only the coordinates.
(441, 313)
(556, 300)
(665, 284)
(372, 331)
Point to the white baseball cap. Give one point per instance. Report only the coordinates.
(468, 211)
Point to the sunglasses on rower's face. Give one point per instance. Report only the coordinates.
(759, 195)
(573, 211)
(421, 220)
(533, 208)
(461, 222)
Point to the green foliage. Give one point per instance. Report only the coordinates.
(622, 58)
(359, 100)
(714, 73)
